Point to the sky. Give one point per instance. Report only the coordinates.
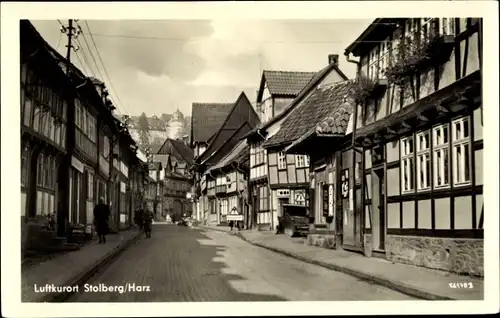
(158, 66)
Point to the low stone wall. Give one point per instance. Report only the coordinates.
(461, 256)
(325, 240)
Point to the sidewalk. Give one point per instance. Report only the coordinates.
(72, 268)
(416, 281)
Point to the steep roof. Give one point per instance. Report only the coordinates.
(322, 102)
(314, 82)
(164, 159)
(242, 114)
(284, 83)
(206, 119)
(178, 149)
(234, 155)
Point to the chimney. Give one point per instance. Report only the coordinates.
(333, 58)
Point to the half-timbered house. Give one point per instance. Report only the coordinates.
(45, 94)
(206, 119)
(420, 131)
(276, 178)
(277, 89)
(240, 121)
(306, 132)
(231, 186)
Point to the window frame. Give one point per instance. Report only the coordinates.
(281, 160)
(263, 198)
(440, 149)
(464, 144)
(407, 157)
(423, 167)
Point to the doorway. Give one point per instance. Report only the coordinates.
(379, 210)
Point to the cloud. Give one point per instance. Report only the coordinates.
(201, 60)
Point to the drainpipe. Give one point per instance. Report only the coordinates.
(354, 127)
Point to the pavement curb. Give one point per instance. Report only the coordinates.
(87, 273)
(394, 285)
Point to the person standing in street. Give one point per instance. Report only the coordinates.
(101, 219)
(147, 221)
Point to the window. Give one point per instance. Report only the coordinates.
(63, 136)
(447, 26)
(426, 28)
(411, 28)
(423, 161)
(24, 166)
(47, 172)
(40, 170)
(281, 160)
(373, 66)
(223, 207)
(407, 164)
(301, 161)
(90, 188)
(28, 106)
(461, 151)
(57, 134)
(384, 57)
(77, 113)
(263, 199)
(441, 156)
(52, 128)
(36, 118)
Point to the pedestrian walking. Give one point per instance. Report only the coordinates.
(101, 219)
(147, 221)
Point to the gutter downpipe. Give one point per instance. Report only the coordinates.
(354, 127)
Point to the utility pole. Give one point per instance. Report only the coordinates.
(64, 202)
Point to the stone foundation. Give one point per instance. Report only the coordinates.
(460, 256)
(325, 240)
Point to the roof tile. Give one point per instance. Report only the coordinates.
(207, 118)
(286, 82)
(322, 103)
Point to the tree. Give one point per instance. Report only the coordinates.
(143, 131)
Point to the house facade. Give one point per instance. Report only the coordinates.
(206, 119)
(327, 108)
(240, 120)
(276, 178)
(414, 187)
(62, 113)
(46, 93)
(230, 188)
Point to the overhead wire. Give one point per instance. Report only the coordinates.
(105, 71)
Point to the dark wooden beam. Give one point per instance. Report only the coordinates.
(441, 109)
(405, 125)
(390, 131)
(421, 117)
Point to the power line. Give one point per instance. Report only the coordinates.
(104, 68)
(91, 54)
(222, 40)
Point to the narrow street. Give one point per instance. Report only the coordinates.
(184, 264)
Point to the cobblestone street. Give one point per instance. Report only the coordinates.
(184, 264)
